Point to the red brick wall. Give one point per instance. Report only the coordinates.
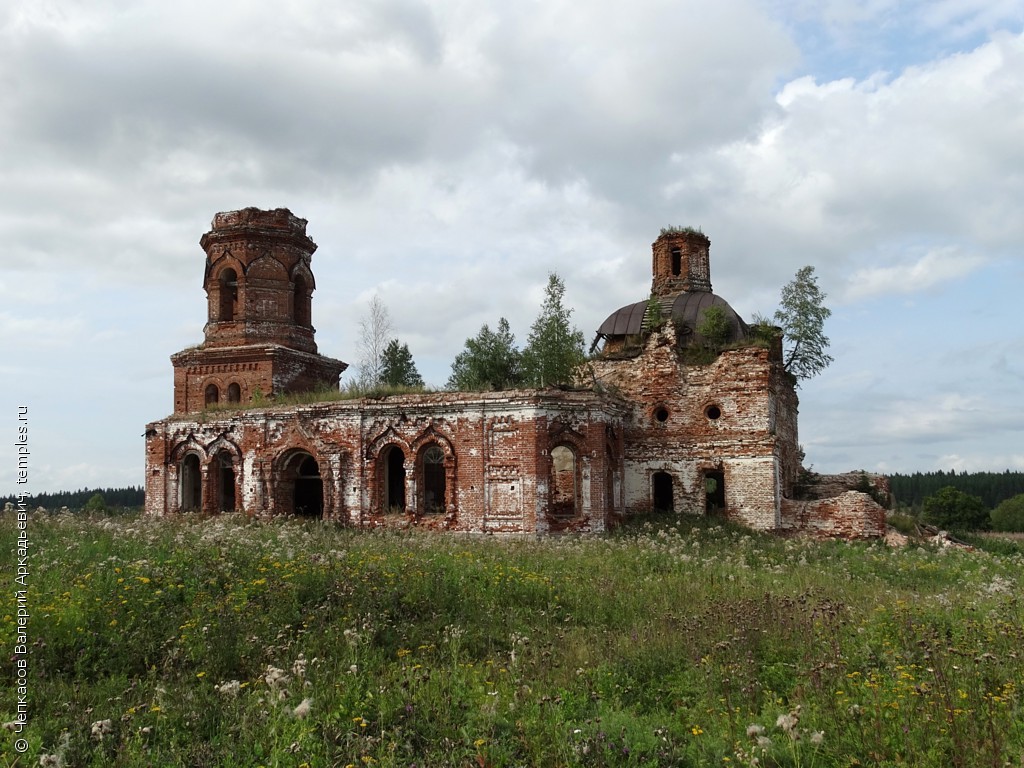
(851, 515)
(497, 450)
(736, 415)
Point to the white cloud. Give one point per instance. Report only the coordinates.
(981, 462)
(930, 270)
(930, 418)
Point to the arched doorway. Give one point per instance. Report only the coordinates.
(434, 481)
(564, 489)
(191, 484)
(225, 466)
(714, 492)
(662, 498)
(394, 480)
(308, 495)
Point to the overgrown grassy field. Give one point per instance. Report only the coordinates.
(225, 642)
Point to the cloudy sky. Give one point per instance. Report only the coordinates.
(448, 154)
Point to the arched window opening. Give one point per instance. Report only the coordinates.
(433, 480)
(677, 261)
(212, 394)
(662, 492)
(226, 482)
(564, 488)
(228, 295)
(714, 490)
(394, 480)
(191, 484)
(302, 303)
(308, 494)
(234, 393)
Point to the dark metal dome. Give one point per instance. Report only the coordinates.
(685, 309)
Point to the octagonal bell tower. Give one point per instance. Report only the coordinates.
(680, 262)
(259, 330)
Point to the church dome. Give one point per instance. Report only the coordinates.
(685, 309)
(680, 288)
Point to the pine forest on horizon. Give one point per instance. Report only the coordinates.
(908, 490)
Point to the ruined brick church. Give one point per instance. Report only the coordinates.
(650, 426)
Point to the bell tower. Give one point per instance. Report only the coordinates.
(680, 262)
(259, 331)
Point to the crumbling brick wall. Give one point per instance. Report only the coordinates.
(496, 447)
(732, 420)
(850, 515)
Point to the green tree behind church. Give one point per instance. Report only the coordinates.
(489, 361)
(554, 349)
(397, 368)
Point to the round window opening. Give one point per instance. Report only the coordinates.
(661, 413)
(713, 412)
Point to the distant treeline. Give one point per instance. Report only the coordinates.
(990, 487)
(75, 500)
(907, 490)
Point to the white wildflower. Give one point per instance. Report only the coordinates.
(787, 722)
(303, 709)
(817, 738)
(754, 730)
(101, 728)
(276, 678)
(230, 688)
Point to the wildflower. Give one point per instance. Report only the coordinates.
(303, 709)
(299, 667)
(787, 722)
(817, 738)
(231, 688)
(764, 742)
(101, 728)
(275, 678)
(754, 730)
(354, 669)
